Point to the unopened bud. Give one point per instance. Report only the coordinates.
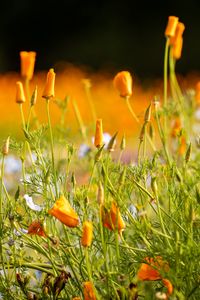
(34, 97)
(112, 143)
(142, 133)
(123, 143)
(188, 153)
(147, 116)
(154, 186)
(99, 154)
(5, 148)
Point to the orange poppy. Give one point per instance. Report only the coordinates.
(182, 146)
(177, 48)
(123, 83)
(98, 139)
(20, 96)
(150, 270)
(86, 239)
(197, 94)
(112, 219)
(27, 64)
(63, 211)
(168, 285)
(88, 291)
(36, 228)
(49, 86)
(178, 33)
(171, 26)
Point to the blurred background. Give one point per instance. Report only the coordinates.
(109, 35)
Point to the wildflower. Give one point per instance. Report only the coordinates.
(31, 204)
(182, 146)
(176, 128)
(168, 285)
(20, 96)
(171, 26)
(27, 64)
(76, 298)
(36, 228)
(177, 48)
(112, 219)
(83, 150)
(123, 83)
(151, 270)
(98, 139)
(49, 86)
(63, 211)
(100, 194)
(161, 296)
(86, 239)
(178, 33)
(88, 291)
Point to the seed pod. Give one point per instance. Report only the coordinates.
(87, 234)
(5, 148)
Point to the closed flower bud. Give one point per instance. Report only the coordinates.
(171, 26)
(20, 96)
(5, 148)
(27, 64)
(34, 97)
(123, 143)
(98, 139)
(76, 298)
(63, 211)
(197, 93)
(88, 291)
(123, 83)
(112, 142)
(178, 33)
(177, 48)
(49, 86)
(147, 116)
(87, 234)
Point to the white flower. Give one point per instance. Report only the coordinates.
(31, 204)
(12, 164)
(83, 150)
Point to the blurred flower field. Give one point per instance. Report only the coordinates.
(99, 185)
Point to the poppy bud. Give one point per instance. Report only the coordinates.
(20, 96)
(171, 26)
(178, 33)
(177, 48)
(112, 219)
(86, 239)
(5, 148)
(100, 194)
(123, 83)
(27, 64)
(49, 86)
(98, 139)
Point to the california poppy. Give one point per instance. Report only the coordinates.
(88, 291)
(123, 83)
(27, 64)
(49, 86)
(171, 26)
(112, 218)
(98, 139)
(20, 96)
(36, 228)
(63, 211)
(86, 239)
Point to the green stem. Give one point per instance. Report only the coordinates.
(52, 146)
(22, 115)
(79, 120)
(165, 81)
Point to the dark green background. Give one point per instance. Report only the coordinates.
(99, 34)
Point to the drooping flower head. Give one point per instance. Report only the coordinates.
(63, 211)
(27, 60)
(49, 86)
(123, 83)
